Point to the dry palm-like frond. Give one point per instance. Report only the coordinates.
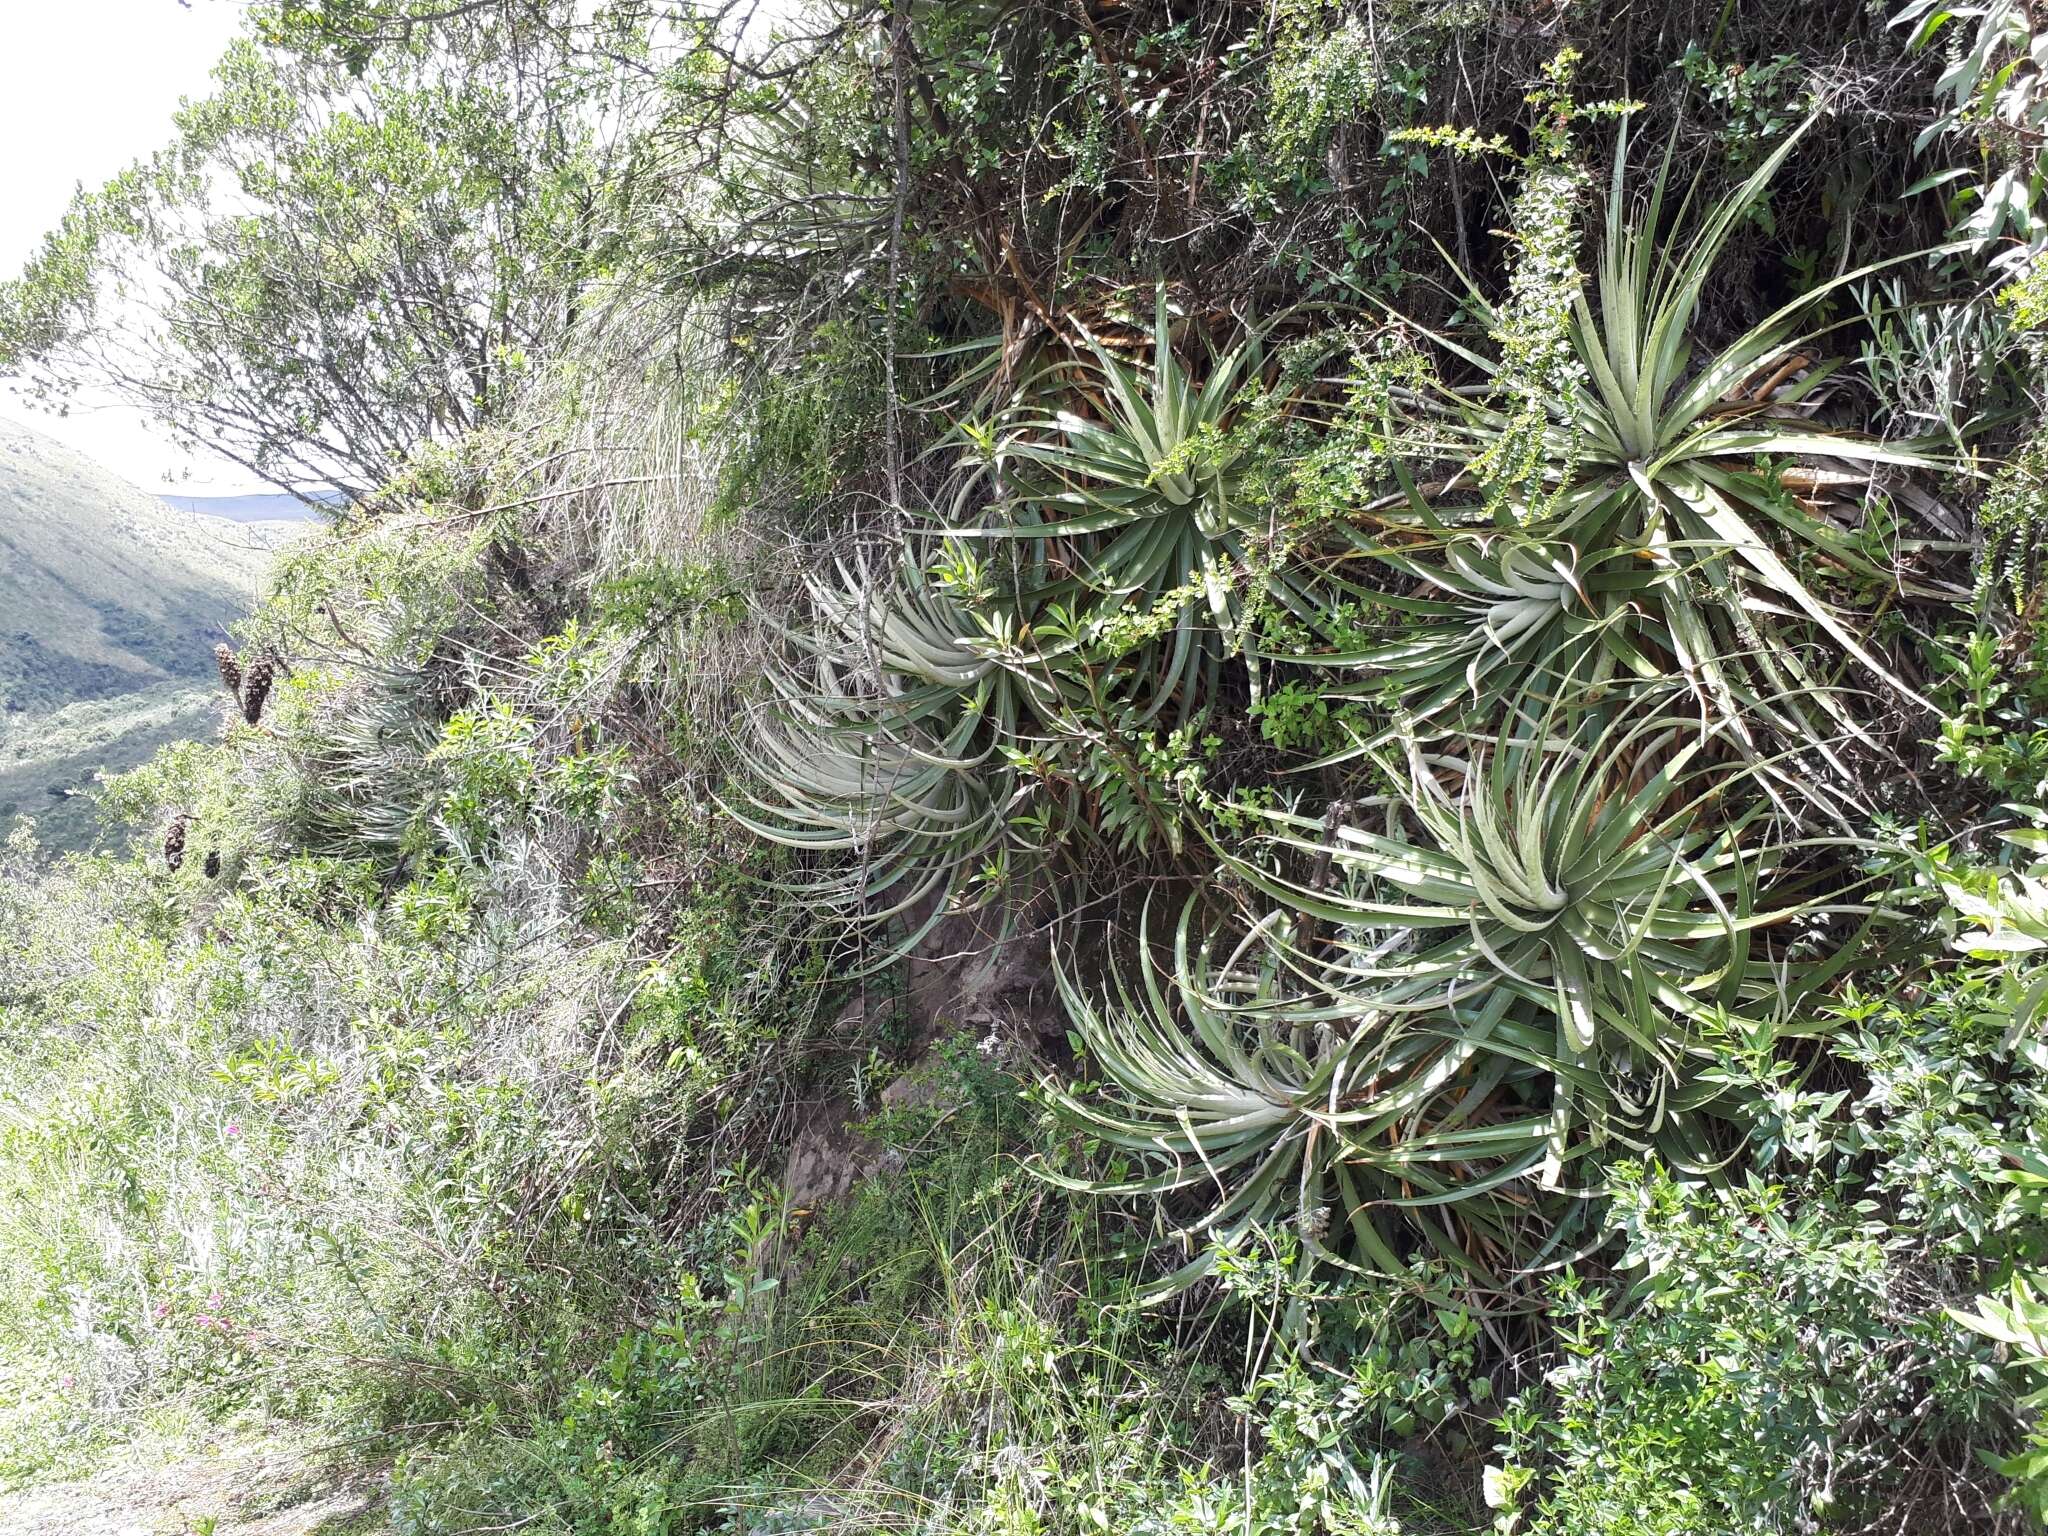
(883, 762)
(1666, 464)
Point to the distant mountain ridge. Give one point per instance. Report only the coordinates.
(260, 507)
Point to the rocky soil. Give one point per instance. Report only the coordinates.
(249, 1489)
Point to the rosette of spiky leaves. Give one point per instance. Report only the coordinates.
(1542, 960)
(1133, 509)
(913, 639)
(1605, 865)
(1459, 622)
(907, 810)
(372, 788)
(881, 762)
(1675, 459)
(1253, 1100)
(1466, 621)
(370, 785)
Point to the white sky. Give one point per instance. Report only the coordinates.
(86, 86)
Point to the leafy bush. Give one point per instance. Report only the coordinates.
(1759, 1369)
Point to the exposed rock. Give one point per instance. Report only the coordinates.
(964, 977)
(828, 1155)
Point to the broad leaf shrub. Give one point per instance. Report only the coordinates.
(1764, 1361)
(1793, 1347)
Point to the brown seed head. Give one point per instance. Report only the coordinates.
(174, 842)
(230, 670)
(256, 688)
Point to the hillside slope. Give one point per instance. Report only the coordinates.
(50, 762)
(261, 507)
(104, 589)
(110, 605)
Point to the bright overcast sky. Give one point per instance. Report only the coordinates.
(86, 86)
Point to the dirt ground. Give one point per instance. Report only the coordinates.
(262, 1489)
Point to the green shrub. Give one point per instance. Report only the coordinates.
(1760, 1367)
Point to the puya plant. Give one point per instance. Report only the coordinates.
(1251, 1104)
(951, 715)
(1696, 498)
(1597, 854)
(1471, 617)
(1127, 488)
(1531, 961)
(882, 760)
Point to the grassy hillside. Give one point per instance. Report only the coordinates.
(105, 588)
(112, 602)
(50, 763)
(262, 507)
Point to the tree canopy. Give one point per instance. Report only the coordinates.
(329, 267)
